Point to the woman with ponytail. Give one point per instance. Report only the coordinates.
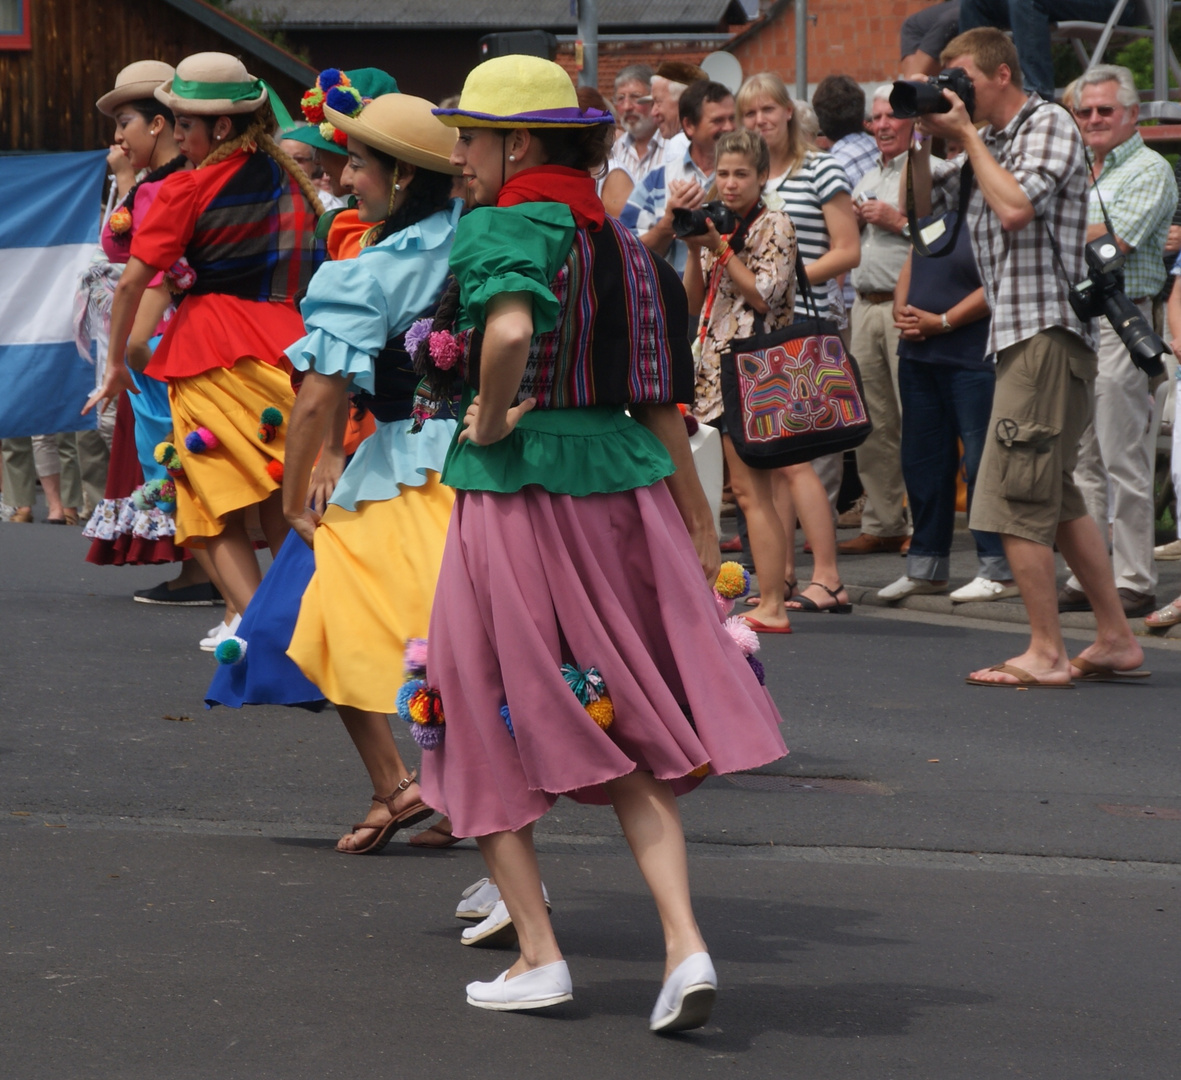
(237, 236)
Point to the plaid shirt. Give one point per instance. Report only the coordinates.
(1023, 283)
(857, 153)
(645, 206)
(1140, 194)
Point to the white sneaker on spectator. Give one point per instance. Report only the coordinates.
(1168, 552)
(219, 633)
(908, 586)
(983, 589)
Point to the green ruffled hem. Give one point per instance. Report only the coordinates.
(588, 451)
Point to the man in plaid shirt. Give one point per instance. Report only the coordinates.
(1030, 190)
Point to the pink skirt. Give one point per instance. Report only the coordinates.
(531, 581)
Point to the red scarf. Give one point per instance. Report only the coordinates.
(557, 183)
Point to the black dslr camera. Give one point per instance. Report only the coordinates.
(695, 222)
(1103, 294)
(911, 99)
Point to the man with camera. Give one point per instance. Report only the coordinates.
(707, 113)
(1028, 220)
(1137, 188)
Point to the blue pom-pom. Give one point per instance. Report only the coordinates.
(403, 699)
(756, 666)
(231, 650)
(508, 720)
(428, 736)
(329, 77)
(343, 99)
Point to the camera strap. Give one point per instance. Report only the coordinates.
(917, 238)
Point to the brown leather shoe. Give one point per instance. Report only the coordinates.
(868, 544)
(1136, 605)
(1072, 599)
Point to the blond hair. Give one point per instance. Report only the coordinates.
(989, 48)
(768, 84)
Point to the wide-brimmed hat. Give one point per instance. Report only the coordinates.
(369, 83)
(136, 82)
(520, 91)
(403, 126)
(212, 84)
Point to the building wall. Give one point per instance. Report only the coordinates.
(47, 94)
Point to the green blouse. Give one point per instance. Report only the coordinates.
(585, 451)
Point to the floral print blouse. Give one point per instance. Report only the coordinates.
(770, 252)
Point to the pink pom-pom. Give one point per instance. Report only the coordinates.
(444, 350)
(744, 637)
(199, 441)
(415, 655)
(725, 604)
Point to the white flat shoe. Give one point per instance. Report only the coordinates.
(908, 586)
(219, 633)
(687, 996)
(536, 989)
(478, 900)
(1168, 552)
(982, 589)
(495, 932)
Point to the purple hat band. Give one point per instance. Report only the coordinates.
(572, 115)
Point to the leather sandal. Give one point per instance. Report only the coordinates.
(438, 835)
(808, 605)
(791, 589)
(411, 815)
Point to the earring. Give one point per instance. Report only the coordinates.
(512, 157)
(397, 187)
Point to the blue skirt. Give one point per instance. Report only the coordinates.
(266, 675)
(153, 422)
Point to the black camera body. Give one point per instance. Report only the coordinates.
(1103, 294)
(911, 99)
(695, 222)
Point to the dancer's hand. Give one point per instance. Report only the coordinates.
(325, 476)
(116, 379)
(484, 430)
(305, 524)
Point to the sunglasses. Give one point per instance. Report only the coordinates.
(1103, 110)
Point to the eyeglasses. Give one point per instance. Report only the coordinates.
(1103, 110)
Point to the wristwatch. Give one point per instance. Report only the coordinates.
(946, 325)
(904, 232)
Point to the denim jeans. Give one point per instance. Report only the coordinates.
(939, 403)
(1030, 22)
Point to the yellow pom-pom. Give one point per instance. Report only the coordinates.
(732, 582)
(420, 707)
(701, 770)
(602, 712)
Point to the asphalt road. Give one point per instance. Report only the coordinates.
(940, 881)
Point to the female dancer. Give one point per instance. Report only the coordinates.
(121, 531)
(575, 646)
(811, 188)
(750, 273)
(379, 542)
(245, 221)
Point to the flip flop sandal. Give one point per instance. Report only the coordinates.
(1025, 681)
(809, 606)
(763, 628)
(791, 590)
(1169, 615)
(411, 815)
(1098, 673)
(434, 836)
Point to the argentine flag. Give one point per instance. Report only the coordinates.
(48, 228)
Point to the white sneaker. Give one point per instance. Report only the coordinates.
(687, 997)
(908, 586)
(982, 589)
(1168, 552)
(536, 989)
(478, 900)
(219, 633)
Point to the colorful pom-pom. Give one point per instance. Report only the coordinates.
(312, 105)
(419, 331)
(140, 499)
(700, 771)
(166, 454)
(725, 605)
(407, 691)
(601, 711)
(231, 650)
(733, 581)
(271, 415)
(756, 665)
(181, 276)
(587, 685)
(425, 706)
(691, 424)
(506, 716)
(275, 470)
(414, 658)
(344, 99)
(120, 221)
(330, 77)
(444, 350)
(744, 637)
(267, 433)
(428, 736)
(197, 442)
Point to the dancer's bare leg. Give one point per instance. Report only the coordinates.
(647, 810)
(374, 741)
(234, 561)
(274, 523)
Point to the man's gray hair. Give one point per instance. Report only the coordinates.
(882, 93)
(634, 73)
(1127, 95)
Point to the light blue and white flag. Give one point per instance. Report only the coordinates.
(48, 228)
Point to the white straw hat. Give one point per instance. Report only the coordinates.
(136, 82)
(212, 84)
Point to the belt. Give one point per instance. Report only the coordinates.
(876, 297)
(1142, 300)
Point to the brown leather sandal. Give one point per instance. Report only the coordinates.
(411, 815)
(438, 836)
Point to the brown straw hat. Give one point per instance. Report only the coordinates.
(212, 84)
(136, 82)
(404, 127)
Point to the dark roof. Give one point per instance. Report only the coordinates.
(486, 14)
(246, 39)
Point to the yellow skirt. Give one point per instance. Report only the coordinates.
(233, 475)
(372, 590)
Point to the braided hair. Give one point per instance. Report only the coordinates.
(178, 162)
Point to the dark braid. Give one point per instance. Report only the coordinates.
(441, 383)
(168, 169)
(427, 193)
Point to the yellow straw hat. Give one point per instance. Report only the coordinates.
(136, 82)
(212, 84)
(520, 91)
(403, 126)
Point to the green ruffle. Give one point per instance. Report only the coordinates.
(587, 451)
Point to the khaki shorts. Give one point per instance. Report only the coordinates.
(1042, 404)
